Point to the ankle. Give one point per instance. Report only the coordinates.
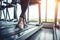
(25, 24)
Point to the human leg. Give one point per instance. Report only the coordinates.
(22, 16)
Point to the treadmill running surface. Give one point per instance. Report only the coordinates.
(44, 34)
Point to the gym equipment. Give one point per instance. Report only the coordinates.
(46, 12)
(12, 4)
(8, 5)
(0, 10)
(2, 7)
(55, 22)
(1, 0)
(7, 31)
(32, 2)
(42, 35)
(54, 33)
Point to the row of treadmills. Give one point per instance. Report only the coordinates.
(45, 31)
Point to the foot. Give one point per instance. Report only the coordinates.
(18, 27)
(25, 26)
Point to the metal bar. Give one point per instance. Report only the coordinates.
(28, 12)
(0, 10)
(15, 12)
(56, 13)
(4, 13)
(39, 13)
(15, 9)
(54, 33)
(8, 14)
(55, 22)
(46, 12)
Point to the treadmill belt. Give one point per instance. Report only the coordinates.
(44, 34)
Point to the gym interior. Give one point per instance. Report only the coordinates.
(42, 18)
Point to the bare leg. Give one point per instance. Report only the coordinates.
(24, 23)
(19, 22)
(22, 16)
